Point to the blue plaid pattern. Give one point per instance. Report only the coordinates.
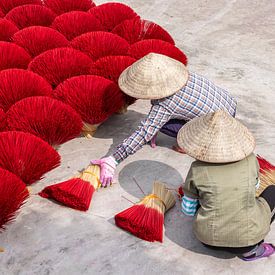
(189, 206)
(198, 97)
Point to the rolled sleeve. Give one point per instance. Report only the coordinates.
(156, 118)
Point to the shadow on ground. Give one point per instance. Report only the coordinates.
(120, 127)
(178, 228)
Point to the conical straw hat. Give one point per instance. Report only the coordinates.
(154, 76)
(217, 138)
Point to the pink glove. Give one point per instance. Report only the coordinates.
(107, 169)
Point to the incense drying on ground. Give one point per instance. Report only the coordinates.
(137, 29)
(59, 64)
(76, 23)
(95, 98)
(8, 5)
(146, 218)
(16, 84)
(267, 174)
(144, 47)
(61, 6)
(45, 117)
(111, 67)
(7, 30)
(26, 156)
(13, 193)
(3, 121)
(31, 15)
(77, 192)
(36, 40)
(100, 44)
(13, 56)
(112, 14)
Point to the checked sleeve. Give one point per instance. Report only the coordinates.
(156, 118)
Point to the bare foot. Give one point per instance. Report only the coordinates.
(178, 149)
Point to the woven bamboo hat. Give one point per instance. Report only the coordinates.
(217, 138)
(154, 76)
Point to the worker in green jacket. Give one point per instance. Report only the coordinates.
(220, 188)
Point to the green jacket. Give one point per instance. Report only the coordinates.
(230, 214)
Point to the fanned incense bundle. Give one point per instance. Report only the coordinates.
(112, 14)
(31, 15)
(142, 48)
(77, 192)
(36, 40)
(95, 98)
(146, 218)
(16, 84)
(3, 122)
(264, 164)
(137, 29)
(267, 174)
(59, 64)
(62, 6)
(13, 56)
(100, 44)
(13, 193)
(7, 30)
(112, 66)
(7, 5)
(45, 117)
(75, 23)
(26, 156)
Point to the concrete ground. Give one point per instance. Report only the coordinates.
(232, 43)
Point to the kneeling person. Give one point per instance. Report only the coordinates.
(220, 188)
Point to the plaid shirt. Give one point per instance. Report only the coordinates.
(198, 97)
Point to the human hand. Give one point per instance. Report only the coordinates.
(107, 169)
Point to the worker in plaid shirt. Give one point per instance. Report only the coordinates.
(177, 96)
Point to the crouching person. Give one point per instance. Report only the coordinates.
(221, 184)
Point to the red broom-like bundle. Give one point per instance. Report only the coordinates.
(31, 15)
(59, 64)
(7, 30)
(142, 48)
(112, 14)
(75, 23)
(36, 40)
(1, 14)
(13, 193)
(76, 193)
(8, 5)
(13, 56)
(3, 122)
(146, 218)
(100, 44)
(112, 66)
(26, 155)
(137, 29)
(267, 174)
(62, 6)
(95, 98)
(45, 117)
(265, 165)
(16, 84)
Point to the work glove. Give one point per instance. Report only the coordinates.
(107, 169)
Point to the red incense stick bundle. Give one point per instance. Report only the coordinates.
(146, 218)
(76, 193)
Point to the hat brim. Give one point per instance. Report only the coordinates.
(203, 140)
(153, 79)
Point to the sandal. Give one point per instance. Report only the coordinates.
(269, 249)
